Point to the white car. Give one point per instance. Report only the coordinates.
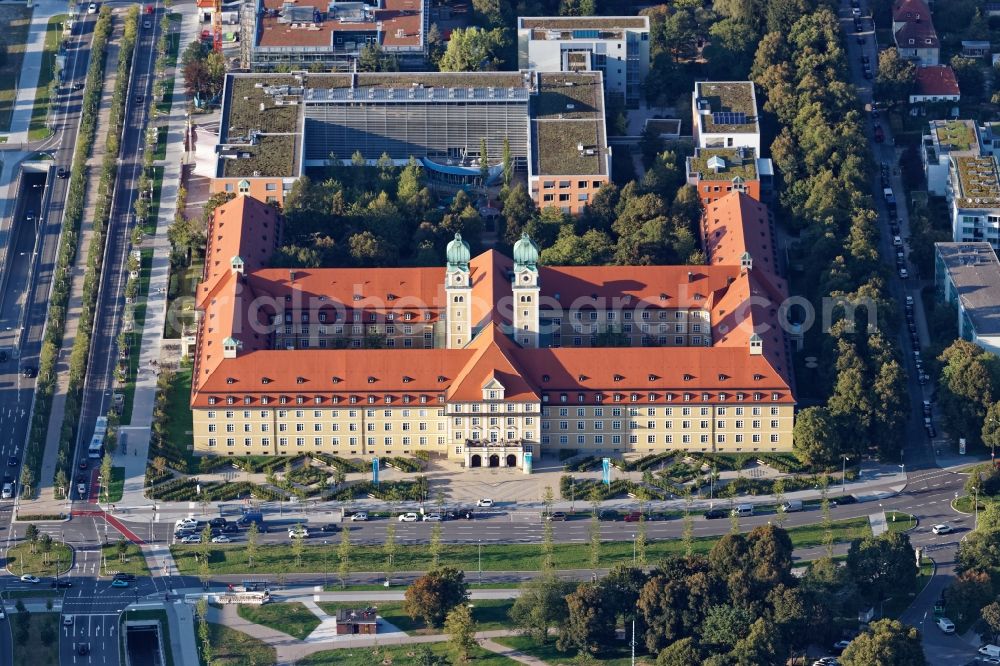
(432, 518)
(943, 528)
(989, 660)
(187, 522)
(8, 491)
(487, 502)
(298, 532)
(28, 578)
(222, 538)
(408, 517)
(92, 8)
(946, 625)
(67, 620)
(359, 516)
(192, 538)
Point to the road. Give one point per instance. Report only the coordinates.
(35, 242)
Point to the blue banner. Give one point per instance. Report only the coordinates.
(606, 471)
(527, 462)
(375, 471)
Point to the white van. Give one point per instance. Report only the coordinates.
(743, 510)
(791, 506)
(990, 651)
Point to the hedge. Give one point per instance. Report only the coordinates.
(400, 491)
(95, 252)
(68, 242)
(343, 464)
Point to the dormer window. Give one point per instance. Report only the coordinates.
(545, 378)
(722, 377)
(371, 400)
(211, 400)
(371, 380)
(757, 378)
(230, 380)
(357, 297)
(704, 397)
(336, 380)
(265, 380)
(618, 378)
(634, 397)
(300, 380)
(688, 378)
(407, 380)
(581, 378)
(651, 397)
(652, 378)
(441, 379)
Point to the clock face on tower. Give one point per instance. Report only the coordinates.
(525, 278)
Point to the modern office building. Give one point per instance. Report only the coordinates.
(725, 115)
(330, 34)
(616, 46)
(274, 126)
(968, 276)
(490, 359)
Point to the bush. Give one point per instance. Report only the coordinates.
(342, 464)
(398, 491)
(581, 465)
(404, 464)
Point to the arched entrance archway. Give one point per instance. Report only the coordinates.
(511, 460)
(476, 461)
(494, 460)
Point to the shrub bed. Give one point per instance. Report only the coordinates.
(404, 464)
(343, 464)
(399, 491)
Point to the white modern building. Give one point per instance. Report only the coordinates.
(968, 275)
(974, 198)
(617, 46)
(725, 115)
(944, 140)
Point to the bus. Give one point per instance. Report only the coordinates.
(97, 441)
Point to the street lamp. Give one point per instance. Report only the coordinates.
(633, 551)
(480, 561)
(843, 476)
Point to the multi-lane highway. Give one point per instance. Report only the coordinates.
(32, 255)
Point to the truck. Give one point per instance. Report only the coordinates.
(890, 200)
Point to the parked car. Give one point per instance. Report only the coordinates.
(946, 625)
(485, 502)
(231, 528)
(28, 578)
(330, 527)
(92, 8)
(632, 517)
(712, 514)
(840, 646)
(409, 517)
(192, 538)
(432, 518)
(222, 538)
(124, 576)
(557, 515)
(608, 514)
(359, 516)
(218, 522)
(298, 532)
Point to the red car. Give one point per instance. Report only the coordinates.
(633, 517)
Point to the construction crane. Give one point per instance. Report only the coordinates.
(217, 26)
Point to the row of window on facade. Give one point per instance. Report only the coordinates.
(720, 438)
(566, 184)
(318, 442)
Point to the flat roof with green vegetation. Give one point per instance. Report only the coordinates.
(955, 135)
(979, 183)
(584, 22)
(745, 167)
(728, 97)
(567, 95)
(272, 155)
(557, 146)
(243, 114)
(439, 79)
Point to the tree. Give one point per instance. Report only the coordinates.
(590, 624)
(389, 550)
(968, 594)
(373, 59)
(472, 50)
(969, 77)
(27, 480)
(160, 465)
(895, 76)
(62, 482)
(31, 536)
(435, 545)
(298, 549)
(122, 547)
(518, 209)
(344, 555)
(462, 628)
(107, 466)
(680, 653)
(541, 606)
(991, 426)
(46, 544)
(882, 564)
(507, 159)
(725, 626)
(887, 643)
(435, 594)
(252, 533)
(204, 633)
(548, 538)
(967, 386)
(991, 616)
(815, 437)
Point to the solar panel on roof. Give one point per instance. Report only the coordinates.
(729, 118)
(585, 34)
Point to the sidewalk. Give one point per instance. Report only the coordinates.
(31, 66)
(183, 641)
(134, 456)
(46, 502)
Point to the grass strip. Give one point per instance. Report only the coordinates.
(112, 562)
(489, 614)
(41, 639)
(134, 338)
(400, 655)
(291, 617)
(495, 557)
(38, 128)
(21, 561)
(234, 648)
(16, 20)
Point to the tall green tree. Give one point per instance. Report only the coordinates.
(472, 50)
(461, 627)
(886, 643)
(433, 595)
(590, 624)
(541, 606)
(882, 564)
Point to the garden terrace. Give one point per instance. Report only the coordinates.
(273, 155)
(243, 114)
(728, 97)
(556, 146)
(979, 183)
(556, 92)
(745, 167)
(957, 135)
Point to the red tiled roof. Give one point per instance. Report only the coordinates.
(399, 23)
(735, 224)
(914, 35)
(911, 10)
(936, 80)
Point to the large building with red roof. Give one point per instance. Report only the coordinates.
(491, 358)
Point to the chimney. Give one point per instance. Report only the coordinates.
(690, 276)
(291, 275)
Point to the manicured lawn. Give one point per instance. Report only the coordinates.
(495, 557)
(42, 646)
(397, 655)
(20, 560)
(163, 106)
(149, 226)
(234, 648)
(117, 487)
(181, 305)
(550, 655)
(489, 614)
(161, 143)
(134, 562)
(178, 428)
(135, 336)
(899, 521)
(37, 128)
(15, 19)
(292, 617)
(964, 504)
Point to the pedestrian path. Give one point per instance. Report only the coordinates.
(878, 523)
(31, 67)
(510, 653)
